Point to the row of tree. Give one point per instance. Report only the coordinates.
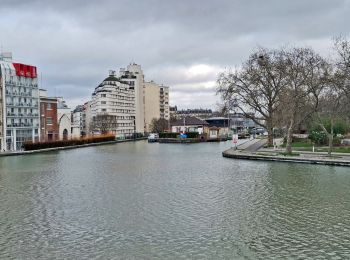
(283, 88)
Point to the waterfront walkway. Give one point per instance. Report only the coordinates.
(254, 150)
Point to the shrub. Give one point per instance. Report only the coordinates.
(318, 137)
(168, 135)
(192, 135)
(28, 146)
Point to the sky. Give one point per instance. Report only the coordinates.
(183, 44)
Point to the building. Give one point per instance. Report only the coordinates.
(20, 104)
(156, 103)
(78, 119)
(114, 97)
(49, 130)
(86, 118)
(134, 77)
(219, 126)
(197, 112)
(189, 124)
(64, 120)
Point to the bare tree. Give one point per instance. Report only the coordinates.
(159, 125)
(306, 75)
(104, 123)
(257, 87)
(335, 97)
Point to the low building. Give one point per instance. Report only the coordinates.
(64, 120)
(189, 124)
(218, 126)
(49, 130)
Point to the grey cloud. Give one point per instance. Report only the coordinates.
(74, 43)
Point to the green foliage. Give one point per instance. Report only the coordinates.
(340, 127)
(192, 135)
(63, 143)
(318, 137)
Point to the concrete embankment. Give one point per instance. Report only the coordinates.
(336, 160)
(69, 147)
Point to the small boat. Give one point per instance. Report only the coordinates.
(152, 138)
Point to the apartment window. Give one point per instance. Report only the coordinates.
(103, 102)
(103, 110)
(103, 95)
(48, 107)
(49, 121)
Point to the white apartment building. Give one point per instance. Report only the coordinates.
(156, 103)
(19, 99)
(116, 97)
(134, 76)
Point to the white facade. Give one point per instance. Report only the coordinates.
(64, 120)
(134, 76)
(117, 98)
(19, 99)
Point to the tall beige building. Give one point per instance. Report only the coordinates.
(156, 103)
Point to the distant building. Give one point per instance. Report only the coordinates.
(49, 130)
(114, 97)
(156, 103)
(78, 119)
(189, 124)
(86, 118)
(19, 100)
(134, 77)
(219, 126)
(241, 122)
(197, 112)
(64, 120)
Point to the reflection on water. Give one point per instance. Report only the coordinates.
(170, 201)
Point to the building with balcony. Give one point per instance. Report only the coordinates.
(133, 76)
(156, 103)
(113, 106)
(20, 103)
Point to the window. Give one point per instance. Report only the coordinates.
(103, 95)
(49, 121)
(48, 107)
(103, 102)
(103, 110)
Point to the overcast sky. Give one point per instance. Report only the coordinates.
(183, 44)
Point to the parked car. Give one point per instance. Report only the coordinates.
(257, 131)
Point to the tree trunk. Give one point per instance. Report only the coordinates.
(269, 134)
(330, 139)
(290, 137)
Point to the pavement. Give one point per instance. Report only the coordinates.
(254, 150)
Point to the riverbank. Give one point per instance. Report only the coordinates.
(337, 159)
(69, 147)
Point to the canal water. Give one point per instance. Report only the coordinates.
(170, 201)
